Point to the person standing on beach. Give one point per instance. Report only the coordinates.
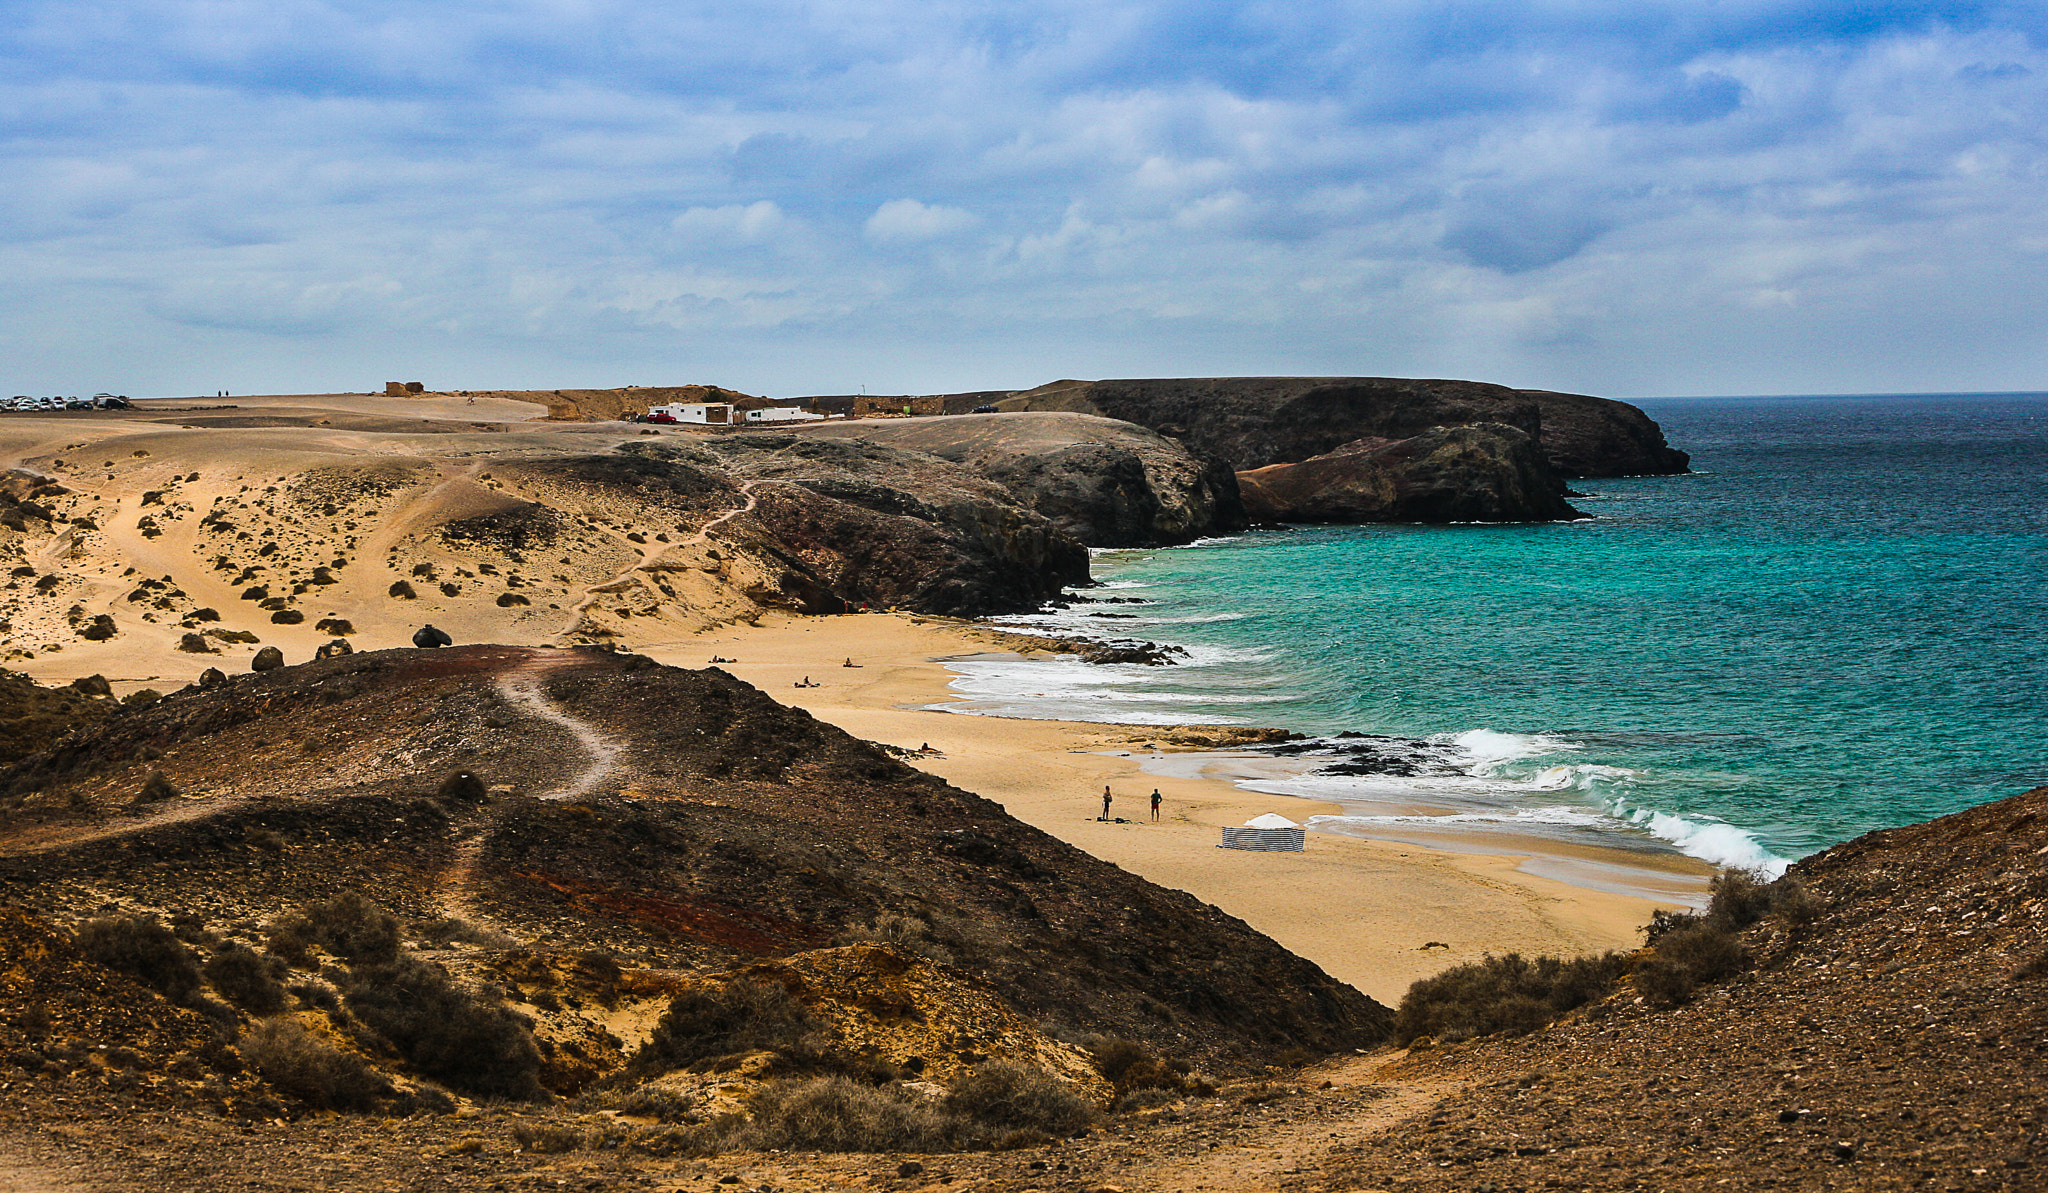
(1105, 801)
(1155, 805)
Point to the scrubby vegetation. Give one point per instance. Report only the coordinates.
(311, 1069)
(145, 950)
(348, 926)
(719, 1021)
(1516, 994)
(1513, 994)
(247, 979)
(474, 1044)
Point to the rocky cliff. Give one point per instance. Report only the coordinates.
(1488, 472)
(1255, 421)
(1105, 482)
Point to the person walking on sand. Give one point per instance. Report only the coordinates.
(1105, 801)
(1155, 805)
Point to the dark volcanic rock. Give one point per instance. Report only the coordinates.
(1483, 473)
(1586, 436)
(860, 522)
(1255, 421)
(1105, 482)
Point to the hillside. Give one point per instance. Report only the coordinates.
(153, 544)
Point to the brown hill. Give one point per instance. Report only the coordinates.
(677, 820)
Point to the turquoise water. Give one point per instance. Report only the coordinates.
(1834, 625)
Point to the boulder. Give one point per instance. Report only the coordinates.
(333, 649)
(212, 677)
(197, 644)
(93, 685)
(270, 658)
(1485, 473)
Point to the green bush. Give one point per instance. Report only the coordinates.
(247, 979)
(1005, 1096)
(718, 1021)
(300, 1063)
(835, 1114)
(473, 1044)
(144, 949)
(1510, 993)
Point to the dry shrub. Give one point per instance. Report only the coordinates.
(718, 1021)
(1663, 983)
(835, 1114)
(348, 926)
(1708, 952)
(1128, 1065)
(548, 1137)
(155, 789)
(300, 1063)
(144, 949)
(1511, 993)
(247, 979)
(1005, 1096)
(471, 1043)
(657, 1103)
(464, 786)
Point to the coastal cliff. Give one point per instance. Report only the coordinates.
(1252, 422)
(1487, 472)
(1106, 482)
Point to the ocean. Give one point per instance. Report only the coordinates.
(1834, 624)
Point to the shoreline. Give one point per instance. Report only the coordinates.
(1375, 912)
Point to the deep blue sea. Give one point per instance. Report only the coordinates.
(1837, 623)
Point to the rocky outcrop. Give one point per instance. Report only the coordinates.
(1105, 482)
(872, 523)
(1255, 421)
(1484, 473)
(1586, 436)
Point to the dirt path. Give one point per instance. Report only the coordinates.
(653, 552)
(524, 687)
(18, 1176)
(1361, 1102)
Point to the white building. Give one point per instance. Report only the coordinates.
(782, 414)
(709, 413)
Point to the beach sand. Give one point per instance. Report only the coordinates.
(1369, 912)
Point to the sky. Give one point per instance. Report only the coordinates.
(1624, 197)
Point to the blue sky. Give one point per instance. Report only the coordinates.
(1630, 197)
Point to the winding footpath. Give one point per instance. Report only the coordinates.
(523, 686)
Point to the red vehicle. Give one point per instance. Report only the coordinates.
(658, 418)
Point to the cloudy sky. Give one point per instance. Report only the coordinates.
(1629, 197)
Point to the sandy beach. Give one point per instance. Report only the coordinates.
(1376, 914)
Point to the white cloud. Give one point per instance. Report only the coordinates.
(1623, 198)
(907, 221)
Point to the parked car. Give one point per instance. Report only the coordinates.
(983, 410)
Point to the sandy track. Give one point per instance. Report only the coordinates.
(649, 557)
(523, 686)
